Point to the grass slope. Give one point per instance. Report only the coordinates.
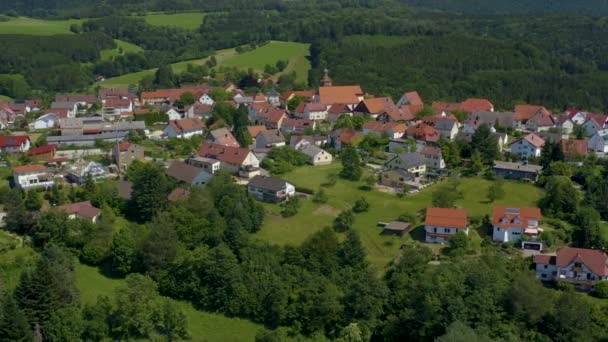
(13, 261)
(30, 26)
(383, 207)
(120, 44)
(189, 21)
(270, 54)
(202, 326)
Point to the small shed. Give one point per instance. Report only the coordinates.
(396, 228)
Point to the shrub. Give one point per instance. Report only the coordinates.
(290, 208)
(361, 205)
(320, 197)
(601, 289)
(344, 221)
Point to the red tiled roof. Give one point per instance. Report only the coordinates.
(76, 98)
(447, 217)
(189, 124)
(600, 119)
(124, 146)
(62, 113)
(303, 93)
(227, 154)
(254, 130)
(296, 123)
(445, 106)
(574, 147)
(41, 150)
(340, 94)
(117, 103)
(315, 107)
(83, 209)
(223, 136)
(595, 260)
(141, 111)
(476, 105)
(544, 259)
(526, 112)
(413, 98)
(260, 105)
(338, 108)
(382, 127)
(272, 115)
(534, 140)
(424, 132)
(511, 214)
(12, 140)
(346, 136)
(29, 168)
(172, 94)
(378, 105)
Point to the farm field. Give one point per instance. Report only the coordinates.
(189, 21)
(383, 207)
(126, 47)
(37, 27)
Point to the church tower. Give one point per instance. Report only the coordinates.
(326, 81)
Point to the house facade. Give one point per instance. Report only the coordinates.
(232, 159)
(184, 128)
(580, 266)
(517, 171)
(12, 144)
(316, 155)
(528, 147)
(510, 224)
(33, 176)
(443, 223)
(125, 154)
(599, 141)
(269, 189)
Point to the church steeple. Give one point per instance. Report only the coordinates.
(326, 81)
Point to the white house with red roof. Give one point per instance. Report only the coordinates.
(599, 141)
(541, 122)
(443, 223)
(232, 159)
(411, 98)
(510, 224)
(314, 111)
(595, 123)
(347, 95)
(32, 176)
(184, 128)
(528, 147)
(45, 121)
(14, 143)
(393, 130)
(84, 210)
(580, 266)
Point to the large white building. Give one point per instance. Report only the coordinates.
(579, 266)
(443, 223)
(510, 223)
(32, 176)
(528, 147)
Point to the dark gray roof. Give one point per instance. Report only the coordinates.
(504, 119)
(268, 183)
(272, 136)
(409, 159)
(311, 150)
(517, 166)
(183, 172)
(445, 124)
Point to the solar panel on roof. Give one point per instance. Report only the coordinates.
(514, 211)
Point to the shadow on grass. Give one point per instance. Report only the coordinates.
(108, 271)
(418, 233)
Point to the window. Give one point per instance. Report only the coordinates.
(497, 229)
(545, 266)
(434, 230)
(446, 230)
(577, 264)
(544, 276)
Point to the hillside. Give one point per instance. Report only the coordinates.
(31, 26)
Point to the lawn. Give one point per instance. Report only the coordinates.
(126, 47)
(271, 53)
(31, 26)
(383, 207)
(202, 326)
(13, 261)
(189, 21)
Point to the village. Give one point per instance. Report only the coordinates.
(83, 137)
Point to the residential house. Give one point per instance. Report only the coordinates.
(374, 107)
(233, 159)
(169, 96)
(113, 108)
(518, 171)
(43, 152)
(184, 128)
(423, 132)
(393, 130)
(205, 99)
(468, 106)
(259, 97)
(222, 136)
(576, 116)
(105, 94)
(272, 118)
(510, 224)
(32, 176)
(599, 141)
(580, 266)
(211, 166)
(297, 141)
(345, 137)
(124, 154)
(269, 189)
(173, 114)
(411, 98)
(447, 127)
(269, 139)
(256, 108)
(396, 178)
(12, 144)
(82, 169)
(432, 155)
(528, 147)
(84, 101)
(7, 116)
(297, 126)
(188, 173)
(316, 155)
(595, 123)
(574, 148)
(254, 130)
(565, 124)
(523, 113)
(84, 210)
(45, 121)
(337, 110)
(199, 110)
(492, 119)
(307, 95)
(314, 111)
(443, 223)
(71, 108)
(273, 97)
(541, 122)
(347, 95)
(412, 162)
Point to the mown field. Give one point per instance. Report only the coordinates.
(383, 207)
(189, 21)
(122, 48)
(37, 27)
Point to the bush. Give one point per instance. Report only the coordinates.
(361, 205)
(601, 289)
(320, 197)
(305, 190)
(344, 221)
(290, 208)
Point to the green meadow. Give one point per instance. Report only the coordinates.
(122, 48)
(37, 27)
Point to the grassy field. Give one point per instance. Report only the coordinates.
(24, 25)
(13, 261)
(202, 326)
(383, 207)
(189, 21)
(126, 47)
(4, 98)
(270, 54)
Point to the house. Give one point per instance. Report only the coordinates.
(178, 194)
(173, 114)
(273, 97)
(599, 141)
(348, 95)
(528, 147)
(377, 106)
(297, 126)
(393, 130)
(269, 189)
(307, 95)
(205, 99)
(211, 166)
(518, 171)
(124, 154)
(574, 148)
(316, 155)
(595, 123)
(337, 110)
(523, 113)
(468, 106)
(12, 144)
(254, 130)
(443, 223)
(345, 137)
(115, 107)
(256, 108)
(80, 100)
(298, 141)
(412, 162)
(396, 228)
(233, 159)
(271, 117)
(576, 116)
(45, 121)
(43, 152)
(411, 98)
(541, 122)
(184, 128)
(313, 111)
(188, 173)
(105, 94)
(565, 124)
(423, 132)
(84, 210)
(432, 156)
(580, 266)
(269, 139)
(396, 178)
(510, 224)
(447, 127)
(492, 119)
(82, 169)
(200, 110)
(71, 108)
(169, 96)
(222, 136)
(32, 176)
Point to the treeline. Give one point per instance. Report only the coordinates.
(516, 7)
